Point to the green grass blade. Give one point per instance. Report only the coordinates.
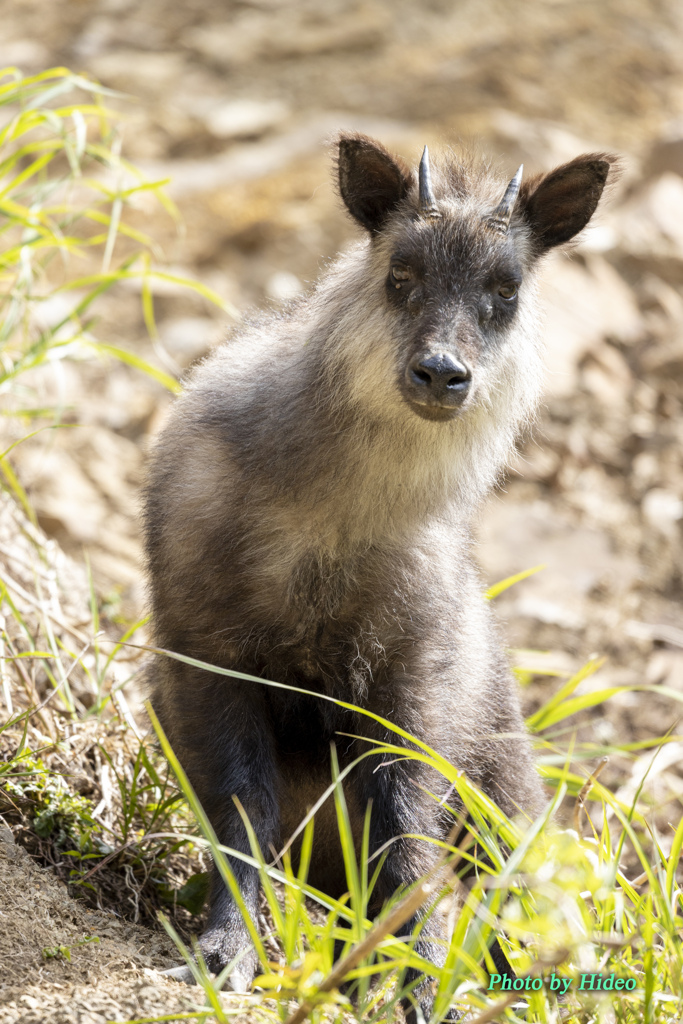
(538, 719)
(499, 588)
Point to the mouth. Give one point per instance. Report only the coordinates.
(434, 412)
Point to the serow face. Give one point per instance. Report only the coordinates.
(456, 257)
(454, 293)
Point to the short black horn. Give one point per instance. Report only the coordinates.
(500, 217)
(428, 207)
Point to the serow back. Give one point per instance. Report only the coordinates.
(308, 520)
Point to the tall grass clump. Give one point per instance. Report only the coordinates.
(79, 784)
(66, 237)
(592, 924)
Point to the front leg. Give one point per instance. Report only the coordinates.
(440, 711)
(401, 810)
(223, 737)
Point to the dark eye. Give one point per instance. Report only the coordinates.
(400, 274)
(508, 291)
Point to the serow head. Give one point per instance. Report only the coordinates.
(453, 257)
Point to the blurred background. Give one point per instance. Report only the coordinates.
(235, 102)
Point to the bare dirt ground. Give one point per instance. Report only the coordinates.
(56, 954)
(234, 102)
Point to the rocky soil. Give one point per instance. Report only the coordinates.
(234, 101)
(70, 965)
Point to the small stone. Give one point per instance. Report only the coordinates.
(188, 337)
(667, 153)
(666, 669)
(663, 510)
(245, 118)
(6, 835)
(24, 53)
(283, 286)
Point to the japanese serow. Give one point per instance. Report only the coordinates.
(308, 521)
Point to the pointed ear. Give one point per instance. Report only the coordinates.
(556, 206)
(371, 181)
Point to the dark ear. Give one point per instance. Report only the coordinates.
(558, 205)
(371, 181)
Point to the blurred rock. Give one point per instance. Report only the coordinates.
(551, 663)
(153, 74)
(289, 33)
(540, 145)
(283, 286)
(650, 223)
(646, 771)
(646, 469)
(259, 159)
(564, 613)
(66, 502)
(576, 559)
(115, 464)
(535, 463)
(662, 303)
(234, 42)
(650, 632)
(188, 337)
(584, 303)
(666, 668)
(42, 570)
(606, 375)
(665, 358)
(666, 154)
(245, 118)
(663, 510)
(85, 491)
(98, 35)
(26, 54)
(117, 6)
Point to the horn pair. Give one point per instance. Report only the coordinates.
(498, 219)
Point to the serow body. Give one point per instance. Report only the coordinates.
(308, 521)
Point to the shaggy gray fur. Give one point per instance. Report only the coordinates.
(308, 521)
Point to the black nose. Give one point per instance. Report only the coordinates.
(440, 376)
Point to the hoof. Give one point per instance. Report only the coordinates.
(183, 974)
(237, 982)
